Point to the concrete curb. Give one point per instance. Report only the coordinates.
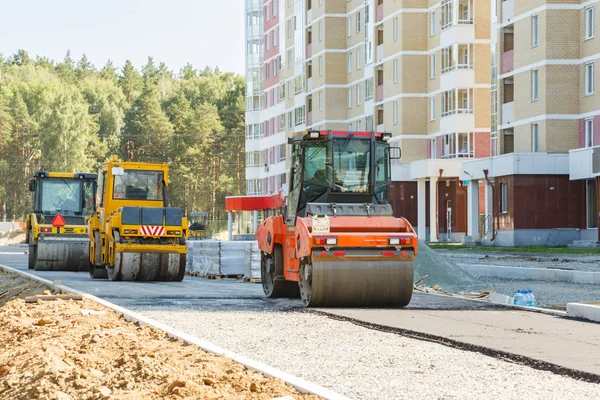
(585, 311)
(538, 274)
(300, 384)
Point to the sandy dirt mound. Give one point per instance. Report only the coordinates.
(68, 349)
(16, 236)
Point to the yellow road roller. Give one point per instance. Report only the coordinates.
(56, 229)
(134, 234)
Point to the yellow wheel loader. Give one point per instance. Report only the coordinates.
(56, 229)
(134, 234)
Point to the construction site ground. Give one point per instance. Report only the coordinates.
(440, 347)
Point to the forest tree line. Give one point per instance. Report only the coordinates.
(69, 116)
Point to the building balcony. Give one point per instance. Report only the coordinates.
(309, 118)
(379, 94)
(508, 11)
(457, 33)
(380, 53)
(457, 76)
(461, 120)
(309, 85)
(309, 17)
(380, 128)
(508, 61)
(508, 113)
(379, 13)
(584, 163)
(309, 50)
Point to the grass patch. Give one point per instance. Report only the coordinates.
(526, 249)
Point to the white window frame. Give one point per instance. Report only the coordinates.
(395, 105)
(503, 198)
(590, 24)
(432, 113)
(534, 84)
(320, 65)
(395, 29)
(349, 97)
(289, 59)
(349, 62)
(320, 100)
(433, 149)
(288, 28)
(358, 94)
(432, 66)
(535, 137)
(589, 133)
(358, 65)
(267, 13)
(589, 78)
(395, 70)
(274, 38)
(350, 26)
(535, 30)
(432, 24)
(274, 5)
(320, 31)
(268, 41)
(358, 22)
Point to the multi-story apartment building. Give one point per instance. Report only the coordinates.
(419, 69)
(545, 116)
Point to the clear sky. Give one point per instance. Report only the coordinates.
(201, 32)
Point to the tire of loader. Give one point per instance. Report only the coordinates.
(273, 282)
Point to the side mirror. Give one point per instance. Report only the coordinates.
(395, 153)
(32, 185)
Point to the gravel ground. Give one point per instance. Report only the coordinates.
(367, 364)
(582, 262)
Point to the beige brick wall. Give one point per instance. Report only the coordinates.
(524, 53)
(335, 33)
(335, 68)
(481, 108)
(562, 34)
(333, 6)
(357, 73)
(524, 106)
(412, 76)
(482, 19)
(433, 41)
(413, 150)
(482, 60)
(413, 115)
(337, 104)
(561, 135)
(562, 89)
(434, 126)
(357, 109)
(522, 6)
(413, 32)
(591, 46)
(356, 38)
(522, 138)
(390, 7)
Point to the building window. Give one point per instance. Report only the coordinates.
(267, 128)
(349, 62)
(395, 29)
(282, 92)
(589, 23)
(432, 24)
(589, 78)
(290, 89)
(288, 28)
(349, 97)
(320, 65)
(321, 100)
(589, 132)
(447, 13)
(534, 137)
(396, 70)
(350, 126)
(290, 120)
(395, 112)
(432, 66)
(534, 31)
(369, 89)
(358, 22)
(503, 198)
(432, 109)
(358, 94)
(534, 85)
(275, 38)
(432, 148)
(300, 118)
(282, 122)
(267, 13)
(289, 59)
(282, 150)
(358, 58)
(275, 6)
(267, 41)
(369, 123)
(349, 26)
(320, 31)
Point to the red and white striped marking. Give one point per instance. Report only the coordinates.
(149, 230)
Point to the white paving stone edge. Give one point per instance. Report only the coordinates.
(539, 274)
(300, 384)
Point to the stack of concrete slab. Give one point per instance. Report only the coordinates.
(213, 257)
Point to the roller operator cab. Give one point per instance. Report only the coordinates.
(134, 234)
(56, 228)
(337, 242)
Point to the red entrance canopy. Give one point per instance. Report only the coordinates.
(251, 203)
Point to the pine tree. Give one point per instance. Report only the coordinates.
(131, 82)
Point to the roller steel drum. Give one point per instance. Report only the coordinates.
(64, 254)
(356, 281)
(148, 267)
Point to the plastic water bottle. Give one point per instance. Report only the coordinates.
(519, 298)
(531, 299)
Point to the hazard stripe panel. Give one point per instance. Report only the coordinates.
(149, 230)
